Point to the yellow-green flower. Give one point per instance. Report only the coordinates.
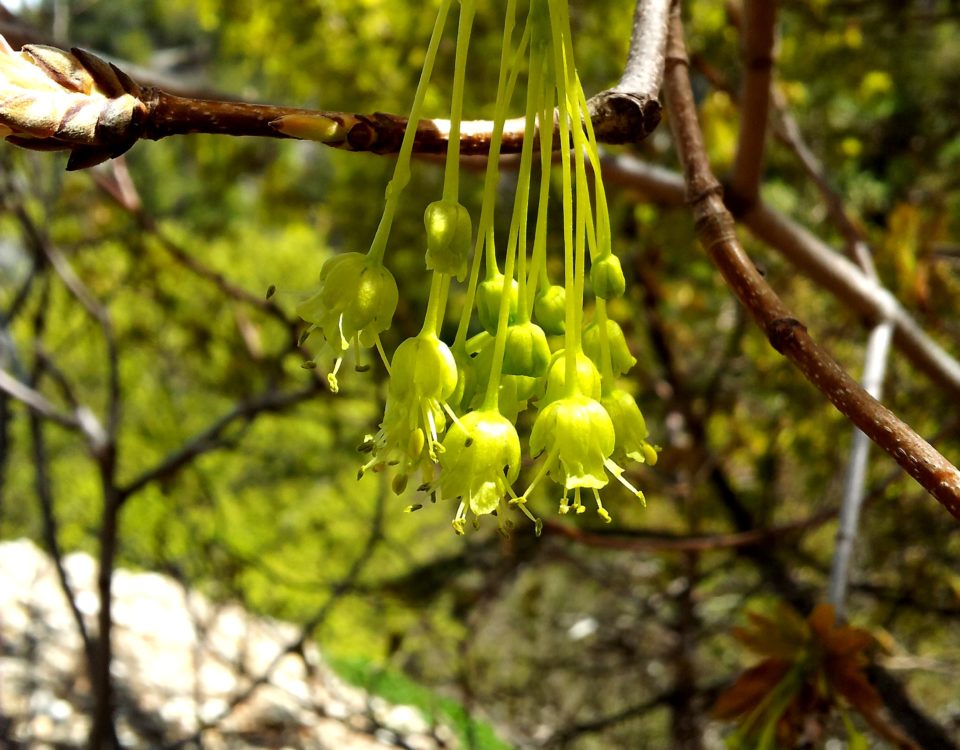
(578, 438)
(630, 428)
(479, 463)
(353, 304)
(621, 360)
(423, 375)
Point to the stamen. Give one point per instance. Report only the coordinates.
(453, 417)
(382, 353)
(541, 472)
(601, 511)
(332, 377)
(617, 472)
(577, 503)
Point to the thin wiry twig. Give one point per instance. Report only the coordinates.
(212, 438)
(875, 365)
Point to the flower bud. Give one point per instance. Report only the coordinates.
(423, 367)
(630, 428)
(527, 352)
(489, 294)
(449, 233)
(550, 310)
(588, 379)
(621, 359)
(606, 277)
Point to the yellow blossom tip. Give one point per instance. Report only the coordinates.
(413, 508)
(332, 382)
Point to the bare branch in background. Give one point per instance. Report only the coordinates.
(813, 257)
(875, 365)
(212, 438)
(715, 229)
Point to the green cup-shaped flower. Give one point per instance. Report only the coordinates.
(606, 277)
(489, 294)
(588, 379)
(578, 437)
(550, 310)
(621, 360)
(356, 298)
(630, 428)
(423, 368)
(449, 233)
(423, 375)
(480, 461)
(527, 352)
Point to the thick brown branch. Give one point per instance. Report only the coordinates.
(127, 111)
(715, 229)
(379, 132)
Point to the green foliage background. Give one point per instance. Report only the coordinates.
(278, 518)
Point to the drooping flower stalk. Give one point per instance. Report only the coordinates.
(451, 412)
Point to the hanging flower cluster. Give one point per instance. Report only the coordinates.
(451, 409)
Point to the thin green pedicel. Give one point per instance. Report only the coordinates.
(401, 172)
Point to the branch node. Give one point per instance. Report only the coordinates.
(623, 117)
(782, 332)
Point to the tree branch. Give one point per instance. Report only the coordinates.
(630, 111)
(716, 231)
(758, 42)
(875, 365)
(37, 402)
(212, 437)
(94, 128)
(813, 257)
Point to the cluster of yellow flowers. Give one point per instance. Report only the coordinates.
(451, 410)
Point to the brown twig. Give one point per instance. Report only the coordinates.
(715, 229)
(759, 25)
(703, 543)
